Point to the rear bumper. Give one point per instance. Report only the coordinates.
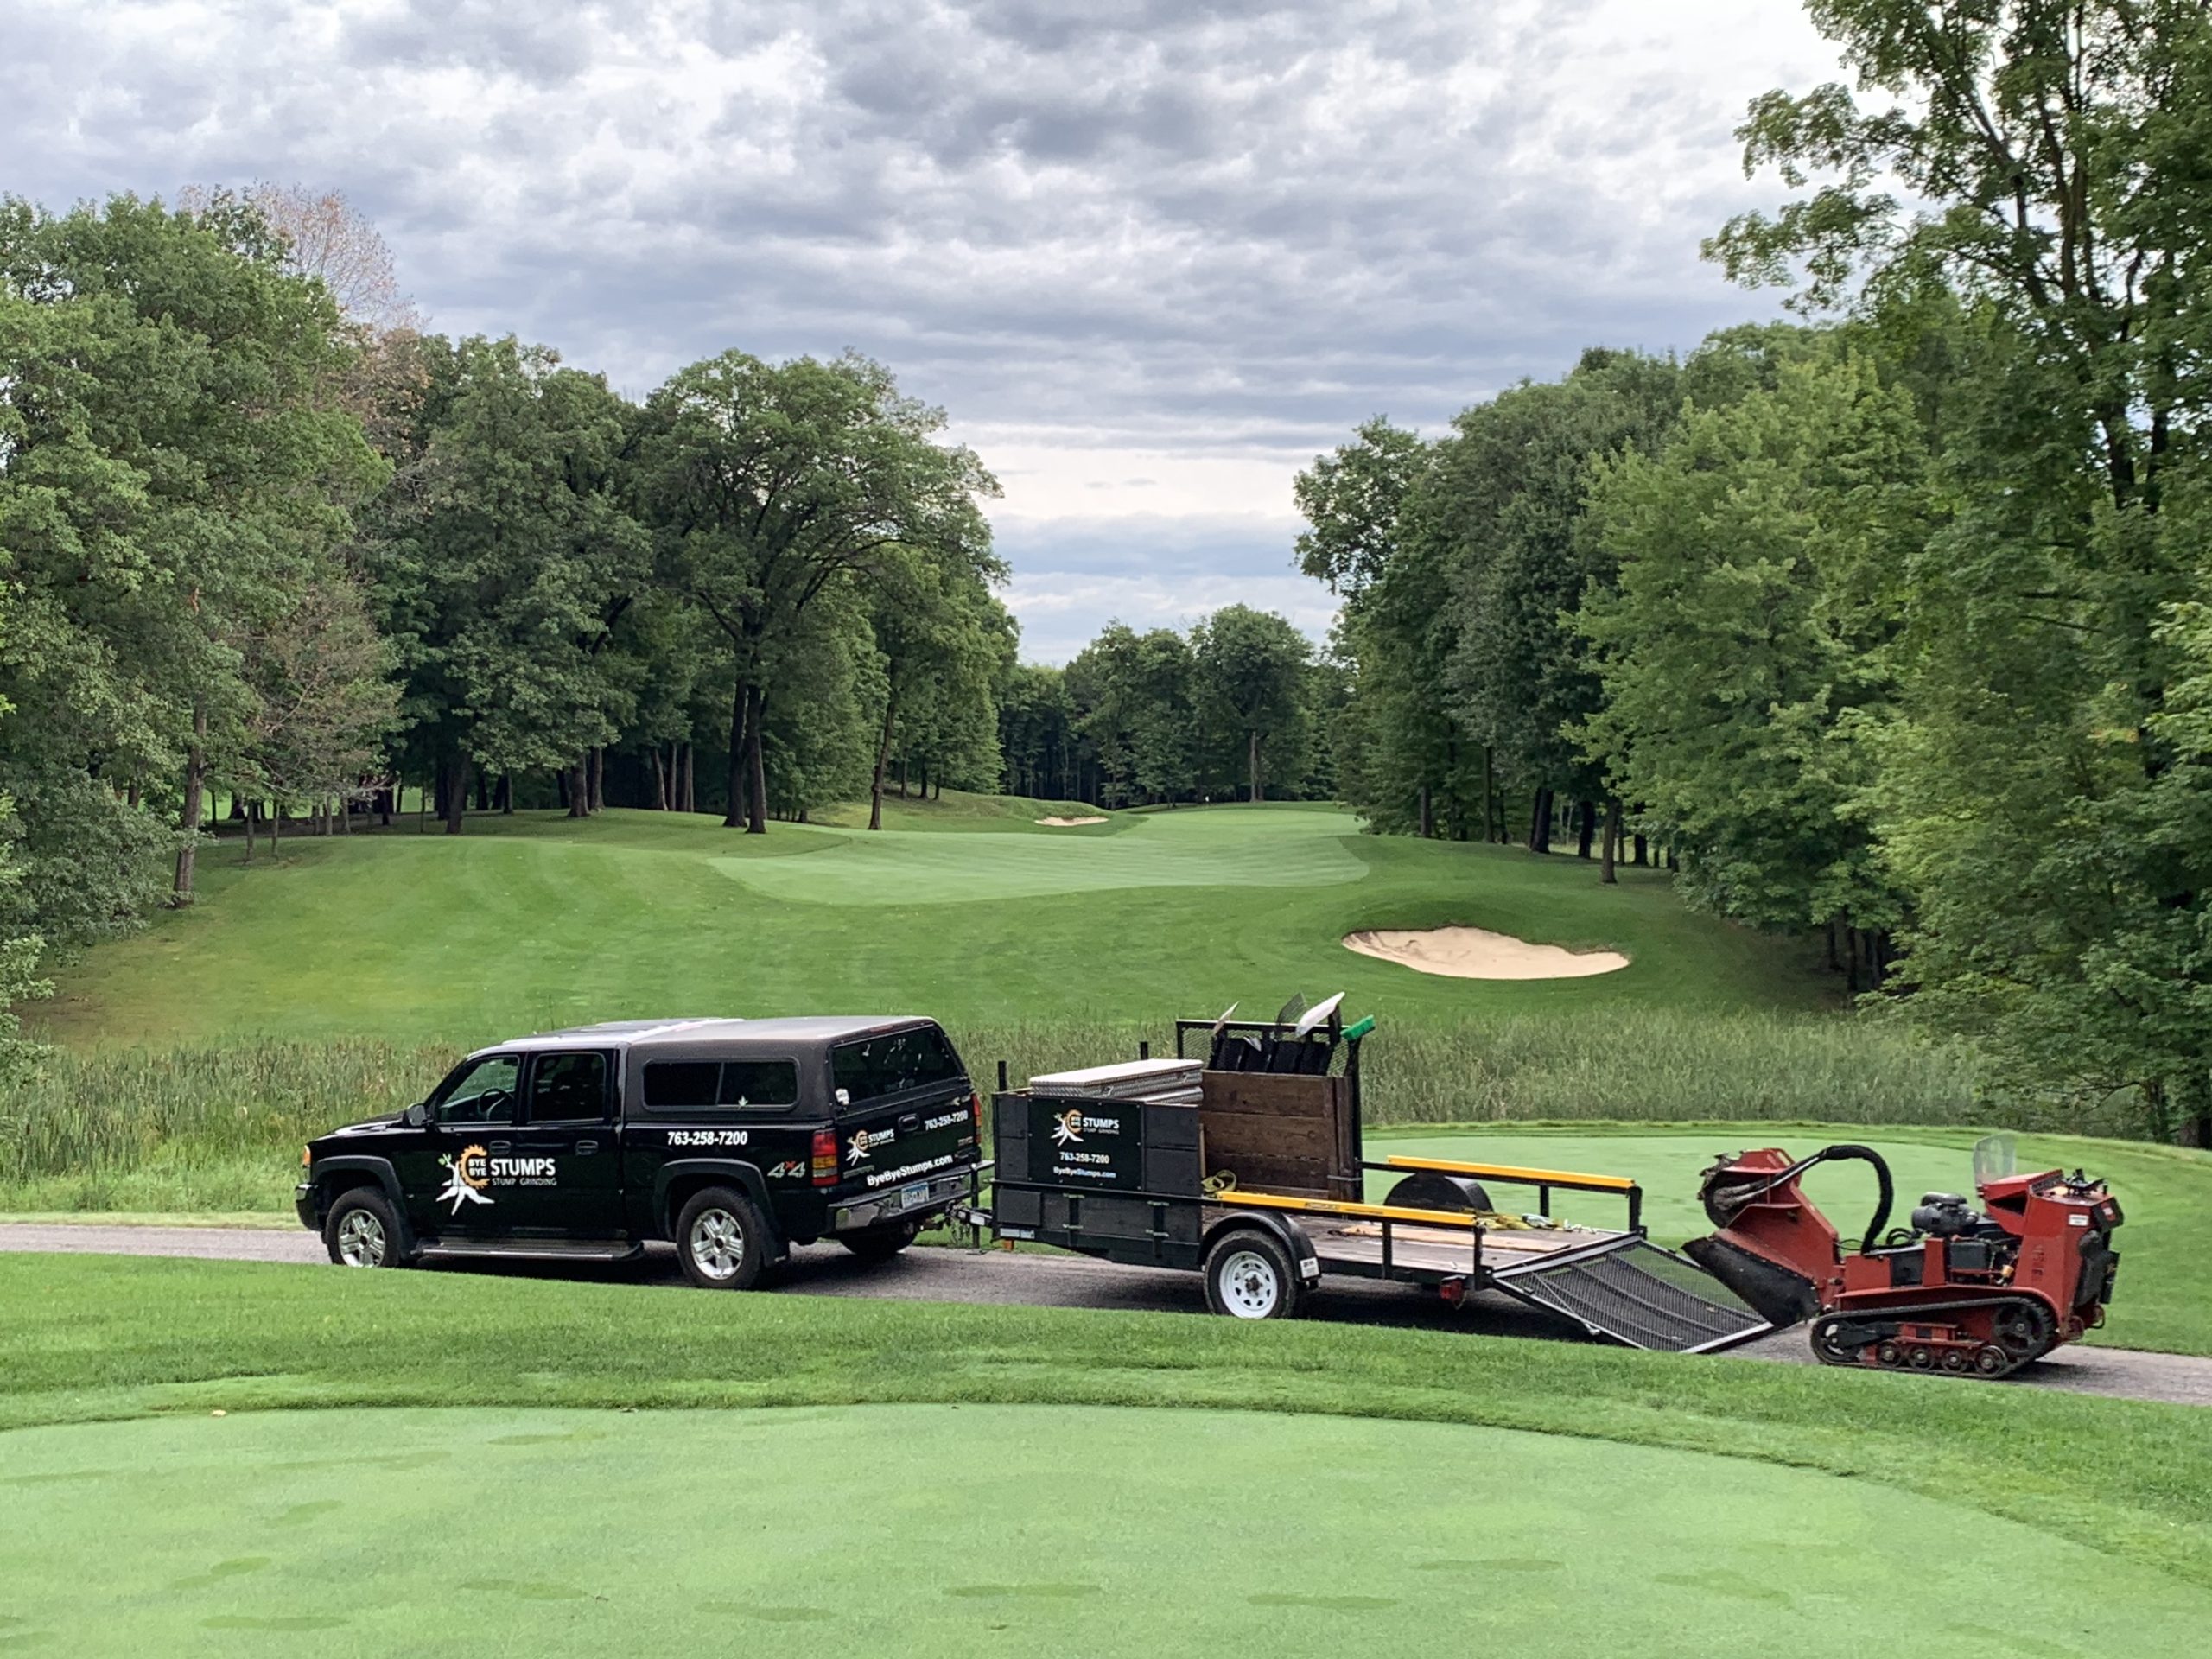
(936, 1194)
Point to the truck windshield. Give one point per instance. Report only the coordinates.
(876, 1068)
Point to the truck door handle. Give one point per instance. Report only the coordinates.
(502, 1146)
(584, 1147)
(909, 1122)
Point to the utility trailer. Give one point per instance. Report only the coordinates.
(1257, 1179)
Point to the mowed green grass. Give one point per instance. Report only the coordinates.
(115, 1341)
(1006, 1529)
(2165, 1192)
(536, 920)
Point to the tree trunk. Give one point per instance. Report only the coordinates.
(1252, 764)
(576, 791)
(483, 791)
(249, 833)
(1612, 843)
(1835, 958)
(735, 817)
(1539, 822)
(1851, 982)
(1427, 813)
(691, 800)
(902, 777)
(1642, 852)
(882, 759)
(660, 780)
(1586, 827)
(598, 779)
(506, 794)
(561, 785)
(455, 792)
(756, 711)
(196, 781)
(275, 826)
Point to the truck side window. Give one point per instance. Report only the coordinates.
(759, 1084)
(569, 1089)
(680, 1086)
(483, 1093)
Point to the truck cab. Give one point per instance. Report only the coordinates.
(732, 1139)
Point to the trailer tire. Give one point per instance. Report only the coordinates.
(1250, 1276)
(722, 1240)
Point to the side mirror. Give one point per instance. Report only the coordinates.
(417, 1116)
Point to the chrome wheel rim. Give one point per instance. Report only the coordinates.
(360, 1240)
(1250, 1289)
(717, 1244)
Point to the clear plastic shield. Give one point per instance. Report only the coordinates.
(1995, 1157)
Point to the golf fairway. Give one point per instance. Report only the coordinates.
(930, 1530)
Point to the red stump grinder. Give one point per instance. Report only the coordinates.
(1972, 1294)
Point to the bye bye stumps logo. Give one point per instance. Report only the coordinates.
(1075, 1134)
(472, 1170)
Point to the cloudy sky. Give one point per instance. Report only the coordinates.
(1152, 255)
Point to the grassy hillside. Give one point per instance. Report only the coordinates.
(538, 919)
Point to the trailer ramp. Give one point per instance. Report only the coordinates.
(1629, 1289)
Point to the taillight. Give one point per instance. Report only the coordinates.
(825, 1158)
(975, 1110)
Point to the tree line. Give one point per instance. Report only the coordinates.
(1892, 622)
(266, 547)
(270, 550)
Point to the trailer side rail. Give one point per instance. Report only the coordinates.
(1542, 1180)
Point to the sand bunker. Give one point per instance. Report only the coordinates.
(1477, 953)
(1068, 823)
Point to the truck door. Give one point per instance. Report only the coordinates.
(566, 1171)
(447, 1173)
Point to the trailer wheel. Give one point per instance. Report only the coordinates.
(722, 1241)
(1250, 1276)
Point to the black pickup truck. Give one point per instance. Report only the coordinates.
(736, 1138)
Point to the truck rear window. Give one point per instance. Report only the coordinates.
(876, 1068)
(691, 1087)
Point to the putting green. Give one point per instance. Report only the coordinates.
(1190, 850)
(998, 1529)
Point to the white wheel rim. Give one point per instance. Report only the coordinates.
(1250, 1289)
(717, 1244)
(360, 1240)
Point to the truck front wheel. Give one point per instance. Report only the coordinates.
(722, 1240)
(1250, 1276)
(362, 1231)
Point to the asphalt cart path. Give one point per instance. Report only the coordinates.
(1037, 1280)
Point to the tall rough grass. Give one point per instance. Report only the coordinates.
(220, 1128)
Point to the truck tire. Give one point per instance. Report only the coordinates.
(362, 1231)
(1250, 1276)
(722, 1240)
(881, 1243)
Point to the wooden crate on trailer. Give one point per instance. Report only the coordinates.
(1295, 1135)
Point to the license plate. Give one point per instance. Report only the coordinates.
(912, 1197)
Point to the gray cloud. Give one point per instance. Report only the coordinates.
(1116, 234)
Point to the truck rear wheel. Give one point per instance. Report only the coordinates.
(722, 1240)
(881, 1243)
(362, 1231)
(1250, 1276)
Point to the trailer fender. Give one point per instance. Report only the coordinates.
(674, 1183)
(1285, 1231)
